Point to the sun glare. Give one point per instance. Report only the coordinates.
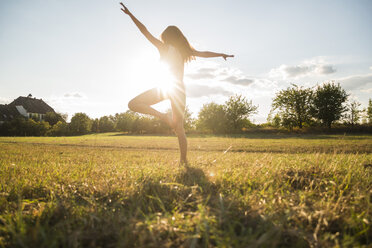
(164, 78)
(150, 72)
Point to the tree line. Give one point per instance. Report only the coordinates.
(321, 106)
(293, 108)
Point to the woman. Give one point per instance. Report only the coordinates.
(175, 50)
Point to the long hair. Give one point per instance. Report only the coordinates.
(173, 36)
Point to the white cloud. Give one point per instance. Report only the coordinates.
(325, 69)
(68, 102)
(73, 95)
(198, 90)
(355, 81)
(367, 90)
(4, 100)
(238, 81)
(203, 73)
(315, 66)
(370, 68)
(215, 71)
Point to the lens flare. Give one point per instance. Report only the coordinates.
(148, 72)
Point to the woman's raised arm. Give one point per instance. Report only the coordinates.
(143, 29)
(207, 54)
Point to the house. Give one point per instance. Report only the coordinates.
(28, 107)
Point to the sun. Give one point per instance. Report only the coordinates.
(163, 77)
(150, 72)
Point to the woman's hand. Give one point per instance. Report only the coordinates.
(124, 9)
(225, 56)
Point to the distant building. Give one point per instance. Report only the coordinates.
(28, 107)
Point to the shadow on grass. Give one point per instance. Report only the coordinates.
(189, 212)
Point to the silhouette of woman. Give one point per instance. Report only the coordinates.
(176, 51)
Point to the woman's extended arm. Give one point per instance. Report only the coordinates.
(207, 54)
(143, 29)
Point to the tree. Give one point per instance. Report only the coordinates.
(189, 122)
(64, 116)
(52, 118)
(354, 113)
(95, 125)
(24, 127)
(106, 124)
(80, 124)
(273, 121)
(276, 121)
(142, 124)
(293, 105)
(238, 109)
(369, 111)
(124, 121)
(212, 117)
(328, 103)
(59, 129)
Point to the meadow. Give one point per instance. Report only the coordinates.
(115, 190)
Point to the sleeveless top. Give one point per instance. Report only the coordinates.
(175, 61)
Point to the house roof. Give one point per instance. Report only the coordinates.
(8, 112)
(32, 105)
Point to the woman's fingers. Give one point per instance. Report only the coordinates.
(225, 56)
(124, 9)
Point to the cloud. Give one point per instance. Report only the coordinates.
(367, 90)
(203, 73)
(216, 72)
(197, 90)
(325, 69)
(294, 71)
(67, 100)
(238, 81)
(355, 81)
(73, 95)
(316, 66)
(4, 100)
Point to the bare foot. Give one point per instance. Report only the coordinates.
(184, 163)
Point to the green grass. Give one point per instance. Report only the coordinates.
(111, 190)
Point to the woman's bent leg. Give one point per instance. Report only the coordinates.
(142, 103)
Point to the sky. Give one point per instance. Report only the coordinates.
(88, 56)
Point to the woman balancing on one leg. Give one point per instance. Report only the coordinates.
(175, 50)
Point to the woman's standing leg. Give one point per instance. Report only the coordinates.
(182, 141)
(178, 101)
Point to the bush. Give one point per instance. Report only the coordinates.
(59, 129)
(22, 127)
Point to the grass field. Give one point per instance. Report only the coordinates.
(113, 190)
